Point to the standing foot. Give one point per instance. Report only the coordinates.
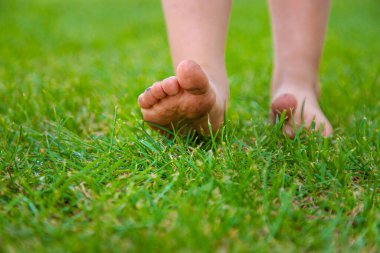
(300, 104)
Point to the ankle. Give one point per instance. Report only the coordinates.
(295, 85)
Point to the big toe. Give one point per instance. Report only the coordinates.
(285, 103)
(192, 78)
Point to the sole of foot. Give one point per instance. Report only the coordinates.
(184, 103)
(301, 108)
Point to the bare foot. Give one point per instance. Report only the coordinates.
(301, 107)
(186, 102)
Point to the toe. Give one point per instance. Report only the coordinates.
(289, 130)
(325, 128)
(319, 123)
(142, 101)
(157, 91)
(310, 120)
(192, 78)
(171, 86)
(284, 103)
(149, 98)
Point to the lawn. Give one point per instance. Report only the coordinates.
(80, 172)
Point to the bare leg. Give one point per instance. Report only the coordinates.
(199, 92)
(298, 32)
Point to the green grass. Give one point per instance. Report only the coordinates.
(80, 172)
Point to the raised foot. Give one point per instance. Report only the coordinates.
(186, 102)
(300, 108)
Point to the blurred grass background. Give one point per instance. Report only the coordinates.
(79, 172)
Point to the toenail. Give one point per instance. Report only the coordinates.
(148, 89)
(289, 131)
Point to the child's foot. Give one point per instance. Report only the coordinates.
(186, 102)
(302, 104)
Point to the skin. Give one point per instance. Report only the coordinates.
(198, 93)
(298, 34)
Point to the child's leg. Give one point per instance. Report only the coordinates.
(298, 32)
(199, 91)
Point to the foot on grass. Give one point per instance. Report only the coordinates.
(301, 108)
(186, 102)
